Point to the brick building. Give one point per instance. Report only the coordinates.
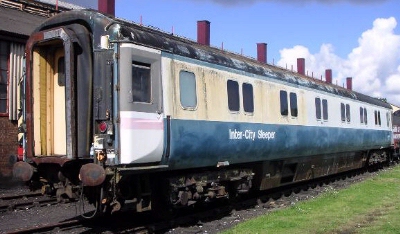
(18, 19)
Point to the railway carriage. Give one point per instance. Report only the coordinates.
(127, 114)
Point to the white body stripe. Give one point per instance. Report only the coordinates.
(142, 138)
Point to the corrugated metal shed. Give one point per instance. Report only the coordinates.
(19, 23)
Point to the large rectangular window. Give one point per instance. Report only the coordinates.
(141, 82)
(187, 87)
(293, 104)
(248, 99)
(4, 54)
(233, 95)
(284, 103)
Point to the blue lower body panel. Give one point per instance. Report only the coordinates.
(205, 143)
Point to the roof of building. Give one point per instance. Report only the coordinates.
(18, 22)
(65, 4)
(20, 17)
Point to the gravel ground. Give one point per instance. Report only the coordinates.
(13, 220)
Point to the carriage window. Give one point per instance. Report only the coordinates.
(187, 87)
(325, 109)
(361, 115)
(342, 112)
(365, 116)
(387, 118)
(284, 103)
(141, 82)
(293, 104)
(318, 108)
(324, 106)
(377, 118)
(61, 71)
(348, 112)
(248, 100)
(233, 95)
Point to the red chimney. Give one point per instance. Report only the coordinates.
(328, 76)
(203, 32)
(262, 52)
(301, 64)
(349, 83)
(107, 6)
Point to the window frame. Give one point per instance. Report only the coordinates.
(193, 89)
(325, 112)
(361, 115)
(365, 116)
(377, 115)
(348, 113)
(6, 55)
(247, 99)
(236, 97)
(318, 113)
(284, 105)
(132, 52)
(294, 109)
(343, 112)
(388, 116)
(379, 118)
(140, 66)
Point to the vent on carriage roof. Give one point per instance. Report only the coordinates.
(107, 6)
(349, 83)
(328, 76)
(203, 32)
(262, 52)
(301, 63)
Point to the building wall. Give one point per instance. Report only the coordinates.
(8, 147)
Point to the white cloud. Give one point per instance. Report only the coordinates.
(374, 64)
(315, 63)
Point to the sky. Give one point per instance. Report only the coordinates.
(354, 38)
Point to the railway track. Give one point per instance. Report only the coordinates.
(24, 201)
(190, 220)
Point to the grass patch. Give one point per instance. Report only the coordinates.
(367, 207)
